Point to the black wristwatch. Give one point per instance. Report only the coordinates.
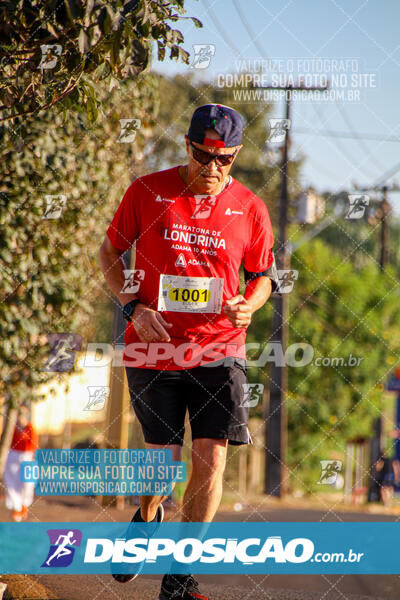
(129, 309)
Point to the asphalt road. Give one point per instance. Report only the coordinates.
(146, 588)
(220, 587)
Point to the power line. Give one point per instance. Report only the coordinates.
(222, 33)
(342, 150)
(383, 179)
(248, 28)
(345, 134)
(321, 166)
(357, 137)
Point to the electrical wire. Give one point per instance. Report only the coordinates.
(246, 24)
(221, 31)
(362, 145)
(345, 134)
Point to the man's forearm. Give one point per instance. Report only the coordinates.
(258, 291)
(113, 266)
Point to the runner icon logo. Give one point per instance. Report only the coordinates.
(252, 394)
(62, 547)
(128, 130)
(358, 204)
(330, 470)
(286, 279)
(50, 54)
(54, 206)
(202, 55)
(62, 351)
(133, 279)
(98, 395)
(279, 127)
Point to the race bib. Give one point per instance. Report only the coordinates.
(190, 294)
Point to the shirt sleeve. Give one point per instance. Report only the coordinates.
(124, 227)
(258, 255)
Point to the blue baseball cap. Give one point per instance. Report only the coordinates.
(226, 121)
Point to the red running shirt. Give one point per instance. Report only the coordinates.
(177, 233)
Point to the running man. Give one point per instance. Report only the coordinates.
(194, 225)
(62, 550)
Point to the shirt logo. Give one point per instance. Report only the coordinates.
(229, 211)
(181, 261)
(204, 205)
(159, 199)
(62, 547)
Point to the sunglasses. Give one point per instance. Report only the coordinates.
(222, 160)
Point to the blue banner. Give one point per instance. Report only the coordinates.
(89, 472)
(221, 548)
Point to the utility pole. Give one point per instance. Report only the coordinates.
(276, 414)
(386, 211)
(118, 404)
(384, 235)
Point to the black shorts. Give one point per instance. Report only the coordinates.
(213, 396)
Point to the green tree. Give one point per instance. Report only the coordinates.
(340, 310)
(52, 52)
(50, 282)
(52, 55)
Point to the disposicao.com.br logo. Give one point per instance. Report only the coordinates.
(207, 548)
(210, 551)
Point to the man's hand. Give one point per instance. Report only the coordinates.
(150, 325)
(239, 311)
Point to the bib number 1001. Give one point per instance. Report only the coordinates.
(189, 295)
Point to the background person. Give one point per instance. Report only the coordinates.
(385, 477)
(20, 494)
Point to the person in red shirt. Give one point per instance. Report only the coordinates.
(194, 226)
(19, 494)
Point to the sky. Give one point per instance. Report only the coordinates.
(356, 40)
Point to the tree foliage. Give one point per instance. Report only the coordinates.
(341, 310)
(53, 52)
(56, 61)
(50, 281)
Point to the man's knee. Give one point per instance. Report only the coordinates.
(209, 457)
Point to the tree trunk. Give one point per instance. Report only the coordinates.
(10, 421)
